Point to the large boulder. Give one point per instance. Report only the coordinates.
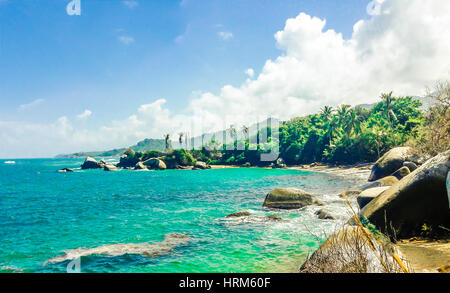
(402, 172)
(201, 166)
(411, 166)
(289, 198)
(369, 194)
(392, 161)
(419, 198)
(91, 163)
(111, 168)
(349, 250)
(155, 164)
(385, 181)
(140, 166)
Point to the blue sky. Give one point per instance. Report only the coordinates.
(125, 70)
(73, 63)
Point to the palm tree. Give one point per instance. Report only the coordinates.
(326, 112)
(167, 141)
(233, 133)
(180, 138)
(342, 114)
(388, 108)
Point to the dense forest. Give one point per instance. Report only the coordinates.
(339, 135)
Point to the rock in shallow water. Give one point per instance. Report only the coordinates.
(289, 198)
(324, 215)
(91, 163)
(239, 214)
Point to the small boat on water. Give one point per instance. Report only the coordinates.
(10, 162)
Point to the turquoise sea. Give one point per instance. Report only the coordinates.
(44, 213)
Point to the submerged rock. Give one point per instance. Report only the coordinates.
(369, 194)
(289, 198)
(274, 218)
(391, 162)
(324, 215)
(91, 163)
(145, 249)
(64, 170)
(239, 214)
(419, 198)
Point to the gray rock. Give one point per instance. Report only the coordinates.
(385, 181)
(419, 198)
(140, 166)
(108, 167)
(64, 170)
(289, 198)
(369, 194)
(411, 166)
(239, 214)
(91, 163)
(155, 164)
(402, 172)
(201, 166)
(391, 162)
(324, 215)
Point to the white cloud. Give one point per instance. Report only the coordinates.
(250, 72)
(31, 104)
(127, 40)
(225, 35)
(404, 48)
(85, 114)
(130, 4)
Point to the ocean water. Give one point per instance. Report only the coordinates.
(124, 221)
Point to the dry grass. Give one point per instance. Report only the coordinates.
(355, 249)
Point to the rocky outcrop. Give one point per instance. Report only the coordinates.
(392, 161)
(289, 198)
(110, 168)
(419, 198)
(91, 163)
(369, 194)
(402, 172)
(127, 162)
(324, 215)
(155, 164)
(140, 166)
(201, 166)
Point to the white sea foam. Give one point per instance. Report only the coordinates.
(145, 249)
(10, 162)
